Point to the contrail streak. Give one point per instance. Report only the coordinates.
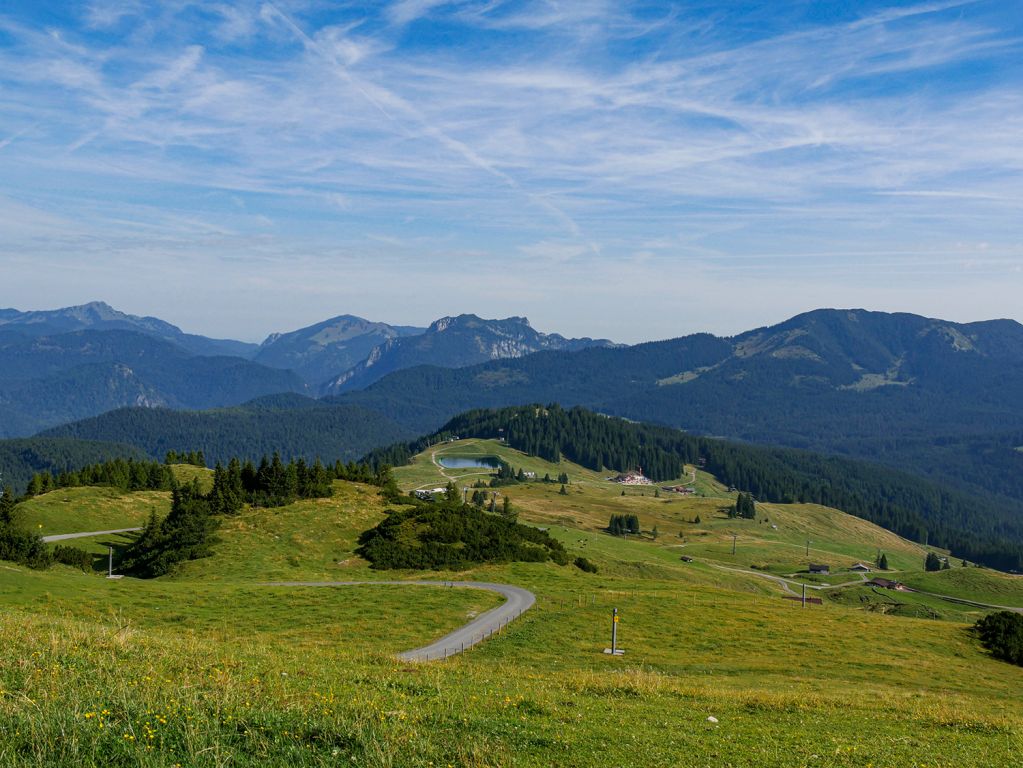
(377, 96)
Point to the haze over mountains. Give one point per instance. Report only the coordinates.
(100, 316)
(943, 400)
(326, 349)
(76, 362)
(455, 342)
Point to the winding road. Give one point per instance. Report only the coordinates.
(486, 625)
(516, 602)
(86, 534)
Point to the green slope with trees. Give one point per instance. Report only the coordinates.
(21, 458)
(910, 506)
(291, 425)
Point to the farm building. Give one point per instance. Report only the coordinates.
(635, 477)
(685, 490)
(819, 568)
(860, 568)
(886, 584)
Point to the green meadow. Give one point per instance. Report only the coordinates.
(210, 667)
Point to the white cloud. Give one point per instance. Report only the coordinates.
(839, 146)
(405, 11)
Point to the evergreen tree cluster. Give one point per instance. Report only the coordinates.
(619, 525)
(1002, 634)
(195, 458)
(126, 474)
(932, 562)
(449, 535)
(744, 508)
(276, 484)
(271, 483)
(186, 533)
(20, 458)
(915, 508)
(508, 475)
(17, 544)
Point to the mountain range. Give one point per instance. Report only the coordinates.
(455, 342)
(73, 363)
(100, 316)
(940, 399)
(325, 350)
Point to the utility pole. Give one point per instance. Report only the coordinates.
(807, 547)
(110, 562)
(733, 543)
(804, 595)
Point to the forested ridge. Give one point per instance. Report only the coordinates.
(289, 424)
(912, 507)
(23, 457)
(916, 394)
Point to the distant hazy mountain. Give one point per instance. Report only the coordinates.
(100, 316)
(290, 424)
(819, 378)
(907, 391)
(454, 342)
(48, 380)
(326, 349)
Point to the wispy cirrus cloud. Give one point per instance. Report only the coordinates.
(577, 133)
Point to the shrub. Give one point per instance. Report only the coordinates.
(451, 535)
(585, 565)
(73, 556)
(1002, 634)
(23, 547)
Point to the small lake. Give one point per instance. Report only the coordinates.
(468, 462)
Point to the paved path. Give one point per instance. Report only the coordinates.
(86, 534)
(786, 584)
(517, 601)
(963, 601)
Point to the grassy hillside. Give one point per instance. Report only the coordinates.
(836, 538)
(210, 667)
(920, 510)
(977, 584)
(70, 510)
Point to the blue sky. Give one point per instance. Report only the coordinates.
(629, 170)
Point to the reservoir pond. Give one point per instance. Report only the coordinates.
(468, 462)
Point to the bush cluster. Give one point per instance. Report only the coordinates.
(620, 525)
(1002, 634)
(73, 556)
(451, 535)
